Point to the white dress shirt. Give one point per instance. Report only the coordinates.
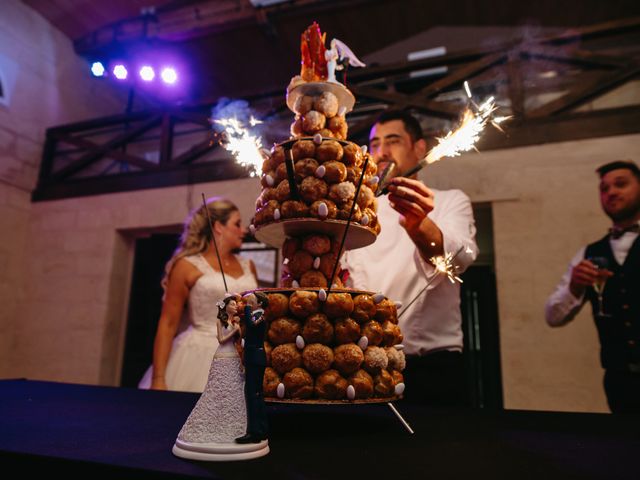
(393, 266)
(562, 306)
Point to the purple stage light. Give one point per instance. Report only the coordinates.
(147, 74)
(97, 69)
(120, 72)
(169, 75)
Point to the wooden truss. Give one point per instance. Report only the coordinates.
(542, 82)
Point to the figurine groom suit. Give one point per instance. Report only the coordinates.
(255, 362)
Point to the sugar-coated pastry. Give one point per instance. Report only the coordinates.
(277, 156)
(313, 279)
(298, 383)
(363, 308)
(347, 330)
(278, 306)
(284, 330)
(323, 209)
(305, 167)
(345, 210)
(397, 360)
(286, 279)
(313, 122)
(397, 377)
(267, 180)
(296, 128)
(270, 382)
(375, 359)
(299, 263)
(353, 174)
(304, 104)
(373, 331)
(327, 104)
(365, 197)
(290, 246)
(362, 383)
(352, 155)
(317, 358)
(342, 192)
(347, 358)
(391, 334)
(316, 244)
(372, 168)
(329, 150)
(283, 192)
(303, 149)
(318, 329)
(330, 385)
(338, 125)
(285, 358)
(326, 133)
(327, 263)
(386, 310)
(312, 189)
(280, 174)
(266, 213)
(335, 172)
(383, 385)
(338, 305)
(303, 303)
(294, 209)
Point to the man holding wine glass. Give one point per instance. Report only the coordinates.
(607, 274)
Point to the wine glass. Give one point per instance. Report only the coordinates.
(601, 263)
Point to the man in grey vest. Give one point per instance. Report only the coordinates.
(607, 274)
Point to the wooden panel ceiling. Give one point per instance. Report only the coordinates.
(233, 49)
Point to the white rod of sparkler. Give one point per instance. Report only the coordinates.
(406, 308)
(402, 420)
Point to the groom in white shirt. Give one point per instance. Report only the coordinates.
(418, 223)
(613, 263)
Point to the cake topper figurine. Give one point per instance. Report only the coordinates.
(338, 57)
(220, 414)
(255, 362)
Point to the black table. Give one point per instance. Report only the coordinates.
(128, 433)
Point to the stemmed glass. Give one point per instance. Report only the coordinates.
(601, 263)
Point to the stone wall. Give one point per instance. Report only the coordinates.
(44, 84)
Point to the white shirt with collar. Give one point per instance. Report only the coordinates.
(562, 306)
(393, 266)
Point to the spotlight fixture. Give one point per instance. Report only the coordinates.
(169, 75)
(97, 69)
(120, 72)
(147, 73)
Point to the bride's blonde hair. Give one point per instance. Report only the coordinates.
(196, 235)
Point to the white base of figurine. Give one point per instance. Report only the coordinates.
(220, 452)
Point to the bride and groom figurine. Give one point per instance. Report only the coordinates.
(229, 421)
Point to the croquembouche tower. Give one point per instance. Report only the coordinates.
(325, 342)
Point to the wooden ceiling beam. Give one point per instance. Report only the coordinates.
(582, 92)
(102, 150)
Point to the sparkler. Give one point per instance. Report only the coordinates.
(245, 147)
(443, 265)
(462, 139)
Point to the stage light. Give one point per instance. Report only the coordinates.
(169, 75)
(97, 69)
(120, 72)
(147, 74)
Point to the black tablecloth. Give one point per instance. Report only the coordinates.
(129, 433)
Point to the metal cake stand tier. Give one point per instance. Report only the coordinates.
(345, 97)
(275, 233)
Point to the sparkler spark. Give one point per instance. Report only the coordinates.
(444, 264)
(245, 147)
(466, 135)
